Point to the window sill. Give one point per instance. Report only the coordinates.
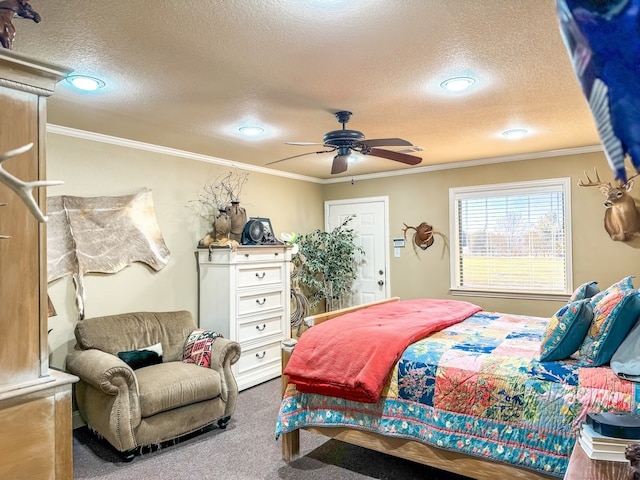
(555, 297)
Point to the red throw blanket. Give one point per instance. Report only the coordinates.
(351, 356)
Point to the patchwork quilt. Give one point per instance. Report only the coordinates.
(478, 388)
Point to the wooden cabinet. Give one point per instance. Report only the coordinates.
(245, 296)
(35, 403)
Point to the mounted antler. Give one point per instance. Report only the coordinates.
(591, 183)
(24, 189)
(622, 218)
(9, 8)
(423, 236)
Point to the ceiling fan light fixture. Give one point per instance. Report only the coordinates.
(514, 133)
(85, 83)
(251, 131)
(457, 84)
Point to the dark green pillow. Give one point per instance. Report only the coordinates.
(140, 358)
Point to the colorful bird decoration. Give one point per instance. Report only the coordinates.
(603, 40)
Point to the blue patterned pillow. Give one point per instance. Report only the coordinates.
(625, 284)
(566, 331)
(586, 290)
(613, 317)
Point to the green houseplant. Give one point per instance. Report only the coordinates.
(327, 264)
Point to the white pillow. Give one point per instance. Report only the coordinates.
(154, 348)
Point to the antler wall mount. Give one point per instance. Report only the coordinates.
(422, 235)
(24, 189)
(9, 8)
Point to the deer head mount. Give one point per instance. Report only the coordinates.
(621, 218)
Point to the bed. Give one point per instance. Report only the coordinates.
(471, 398)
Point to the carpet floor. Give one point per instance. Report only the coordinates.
(246, 450)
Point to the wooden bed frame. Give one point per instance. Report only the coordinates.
(473, 467)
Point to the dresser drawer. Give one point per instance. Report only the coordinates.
(255, 276)
(259, 256)
(259, 357)
(260, 302)
(262, 328)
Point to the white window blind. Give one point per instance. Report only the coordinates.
(512, 238)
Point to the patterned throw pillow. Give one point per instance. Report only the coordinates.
(197, 347)
(566, 331)
(586, 290)
(613, 317)
(625, 284)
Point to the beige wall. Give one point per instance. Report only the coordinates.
(91, 168)
(424, 197)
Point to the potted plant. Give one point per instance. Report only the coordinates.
(326, 264)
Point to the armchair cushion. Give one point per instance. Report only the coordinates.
(175, 384)
(131, 331)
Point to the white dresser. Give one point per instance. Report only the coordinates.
(245, 296)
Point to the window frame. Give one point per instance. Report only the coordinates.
(506, 189)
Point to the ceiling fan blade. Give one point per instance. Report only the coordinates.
(339, 164)
(386, 142)
(300, 155)
(397, 156)
(411, 149)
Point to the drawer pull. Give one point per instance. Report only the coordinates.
(259, 328)
(261, 302)
(246, 255)
(260, 276)
(260, 356)
(276, 254)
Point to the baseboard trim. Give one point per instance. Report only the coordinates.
(77, 420)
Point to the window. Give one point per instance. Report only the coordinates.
(511, 239)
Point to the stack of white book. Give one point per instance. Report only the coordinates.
(601, 447)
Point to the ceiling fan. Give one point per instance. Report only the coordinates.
(344, 141)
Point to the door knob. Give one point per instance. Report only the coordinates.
(380, 272)
(380, 282)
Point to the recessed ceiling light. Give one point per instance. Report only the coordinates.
(457, 84)
(251, 131)
(514, 133)
(82, 82)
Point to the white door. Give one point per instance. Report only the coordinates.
(370, 225)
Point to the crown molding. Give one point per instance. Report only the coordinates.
(123, 142)
(150, 147)
(472, 163)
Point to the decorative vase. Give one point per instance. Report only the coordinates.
(222, 225)
(238, 217)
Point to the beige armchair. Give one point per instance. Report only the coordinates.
(134, 408)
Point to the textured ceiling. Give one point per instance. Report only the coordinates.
(188, 78)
